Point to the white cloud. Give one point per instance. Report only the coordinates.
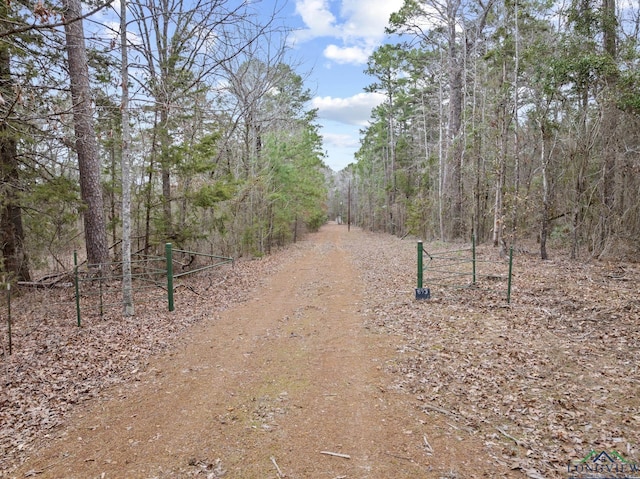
(367, 18)
(318, 18)
(356, 55)
(355, 110)
(358, 24)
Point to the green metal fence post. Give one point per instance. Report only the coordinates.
(473, 242)
(77, 287)
(101, 292)
(169, 256)
(420, 249)
(510, 270)
(9, 315)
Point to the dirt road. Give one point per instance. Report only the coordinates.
(287, 384)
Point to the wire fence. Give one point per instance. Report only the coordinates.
(24, 315)
(94, 292)
(462, 269)
(181, 263)
(98, 287)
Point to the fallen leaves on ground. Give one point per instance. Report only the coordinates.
(55, 365)
(544, 379)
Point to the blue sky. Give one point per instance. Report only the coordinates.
(330, 41)
(333, 39)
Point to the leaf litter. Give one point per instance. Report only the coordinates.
(55, 365)
(542, 380)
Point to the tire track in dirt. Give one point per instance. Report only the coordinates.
(262, 391)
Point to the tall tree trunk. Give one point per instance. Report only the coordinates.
(166, 174)
(582, 160)
(608, 215)
(13, 252)
(86, 142)
(458, 50)
(453, 188)
(393, 191)
(498, 205)
(516, 131)
(503, 118)
(442, 171)
(127, 287)
(547, 188)
(149, 190)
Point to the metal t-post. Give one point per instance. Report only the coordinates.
(9, 316)
(420, 264)
(169, 256)
(473, 242)
(510, 274)
(76, 285)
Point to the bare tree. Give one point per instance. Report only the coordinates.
(611, 202)
(183, 45)
(460, 25)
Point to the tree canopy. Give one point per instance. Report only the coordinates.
(507, 121)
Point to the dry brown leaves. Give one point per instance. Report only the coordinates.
(545, 379)
(55, 364)
(542, 380)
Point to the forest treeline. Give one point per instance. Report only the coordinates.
(187, 122)
(190, 108)
(507, 120)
